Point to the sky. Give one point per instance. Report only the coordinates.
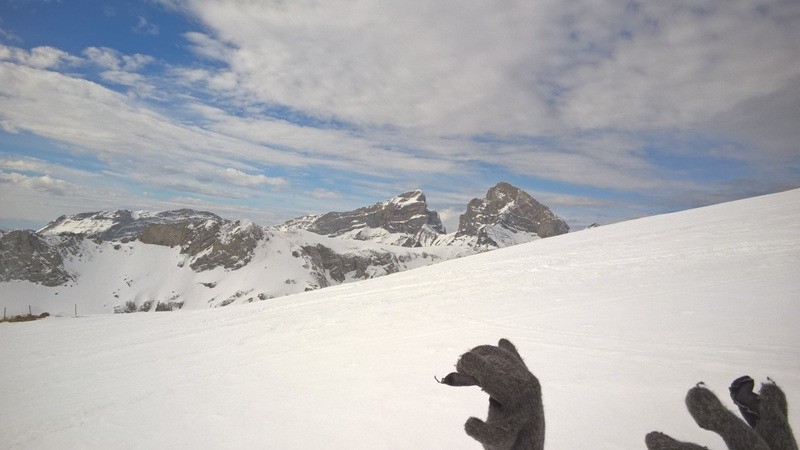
(268, 110)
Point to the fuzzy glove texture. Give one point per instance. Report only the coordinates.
(767, 413)
(516, 414)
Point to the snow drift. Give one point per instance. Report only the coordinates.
(617, 322)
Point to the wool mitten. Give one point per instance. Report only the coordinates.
(767, 412)
(516, 415)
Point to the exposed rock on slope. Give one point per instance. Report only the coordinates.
(404, 220)
(25, 255)
(210, 244)
(332, 267)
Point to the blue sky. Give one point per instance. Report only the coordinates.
(270, 110)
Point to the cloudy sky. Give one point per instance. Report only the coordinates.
(270, 109)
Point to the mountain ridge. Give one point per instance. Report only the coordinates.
(506, 216)
(404, 220)
(238, 261)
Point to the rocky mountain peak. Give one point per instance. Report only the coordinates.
(407, 198)
(404, 220)
(507, 216)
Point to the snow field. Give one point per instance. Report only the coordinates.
(618, 322)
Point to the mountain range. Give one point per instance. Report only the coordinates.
(126, 261)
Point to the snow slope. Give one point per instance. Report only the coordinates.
(618, 322)
(111, 273)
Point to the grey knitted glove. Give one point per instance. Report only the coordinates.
(771, 430)
(516, 414)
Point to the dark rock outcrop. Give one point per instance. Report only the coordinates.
(504, 212)
(325, 263)
(404, 220)
(219, 243)
(25, 255)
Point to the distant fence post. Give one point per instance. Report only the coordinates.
(29, 310)
(4, 312)
(76, 310)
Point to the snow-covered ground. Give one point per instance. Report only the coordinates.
(618, 322)
(111, 273)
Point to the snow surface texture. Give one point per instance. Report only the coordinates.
(617, 322)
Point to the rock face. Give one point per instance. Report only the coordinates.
(25, 255)
(404, 220)
(210, 243)
(507, 216)
(330, 267)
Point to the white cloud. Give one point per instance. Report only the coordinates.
(208, 47)
(205, 189)
(439, 73)
(240, 178)
(145, 27)
(320, 193)
(340, 149)
(44, 57)
(37, 167)
(132, 139)
(108, 58)
(151, 147)
(128, 138)
(45, 184)
(137, 83)
(24, 165)
(683, 65)
(124, 78)
(5, 34)
(450, 218)
(104, 57)
(766, 125)
(528, 67)
(38, 57)
(412, 64)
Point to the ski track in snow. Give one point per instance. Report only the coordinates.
(618, 322)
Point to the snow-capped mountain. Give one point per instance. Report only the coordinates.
(507, 216)
(404, 220)
(122, 224)
(616, 322)
(128, 261)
